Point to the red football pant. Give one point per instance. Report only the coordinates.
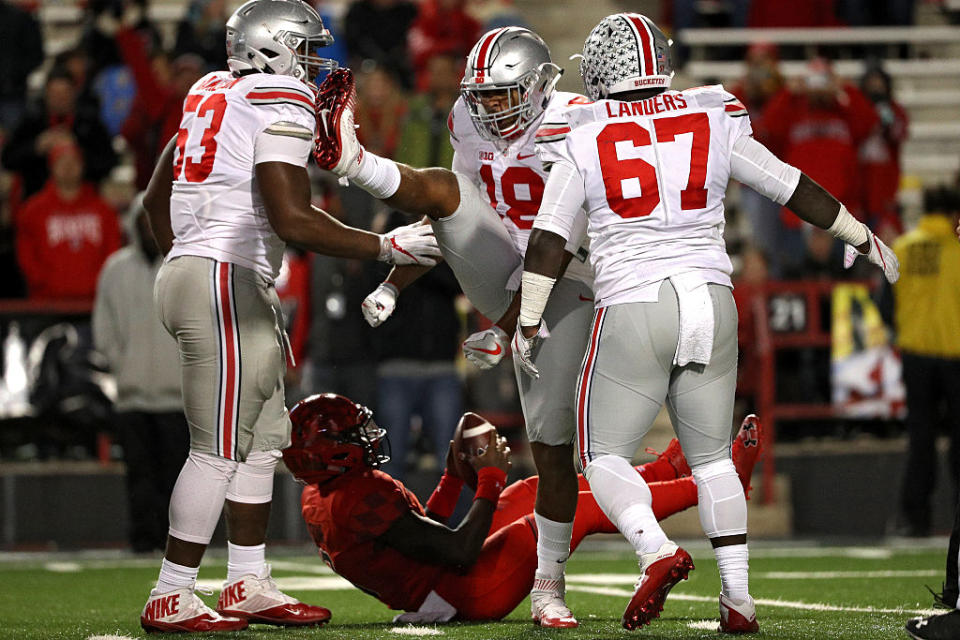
(503, 574)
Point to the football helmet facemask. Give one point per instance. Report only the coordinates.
(625, 52)
(331, 435)
(507, 83)
(278, 36)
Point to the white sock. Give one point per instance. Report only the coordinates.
(641, 529)
(175, 576)
(553, 547)
(625, 498)
(244, 561)
(380, 177)
(733, 564)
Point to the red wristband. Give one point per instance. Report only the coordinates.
(444, 498)
(490, 482)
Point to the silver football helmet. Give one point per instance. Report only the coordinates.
(507, 83)
(278, 36)
(625, 52)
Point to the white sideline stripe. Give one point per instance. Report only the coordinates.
(628, 578)
(63, 567)
(818, 575)
(109, 637)
(416, 631)
(292, 583)
(706, 625)
(787, 604)
(317, 567)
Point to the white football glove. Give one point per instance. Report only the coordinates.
(378, 306)
(486, 348)
(523, 348)
(411, 244)
(879, 254)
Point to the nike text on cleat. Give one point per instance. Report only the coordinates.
(258, 600)
(182, 610)
(746, 449)
(737, 617)
(547, 606)
(661, 570)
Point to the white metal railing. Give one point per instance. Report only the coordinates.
(729, 70)
(821, 36)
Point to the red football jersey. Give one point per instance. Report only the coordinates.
(346, 515)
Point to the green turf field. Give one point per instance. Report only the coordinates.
(803, 592)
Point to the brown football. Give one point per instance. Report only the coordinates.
(471, 437)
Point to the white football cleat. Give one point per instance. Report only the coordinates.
(183, 610)
(336, 148)
(660, 571)
(548, 607)
(259, 600)
(738, 617)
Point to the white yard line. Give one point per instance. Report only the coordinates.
(416, 631)
(292, 583)
(830, 575)
(109, 637)
(786, 604)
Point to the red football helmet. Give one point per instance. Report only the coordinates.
(331, 436)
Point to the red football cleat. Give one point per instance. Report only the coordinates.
(336, 147)
(746, 449)
(661, 571)
(674, 455)
(548, 607)
(258, 600)
(737, 618)
(182, 610)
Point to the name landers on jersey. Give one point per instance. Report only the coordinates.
(513, 181)
(228, 125)
(654, 172)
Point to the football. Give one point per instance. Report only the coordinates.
(471, 438)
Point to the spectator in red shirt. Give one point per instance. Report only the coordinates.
(880, 154)
(818, 127)
(442, 27)
(65, 232)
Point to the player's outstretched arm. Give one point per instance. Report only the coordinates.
(156, 200)
(430, 542)
(755, 166)
(285, 189)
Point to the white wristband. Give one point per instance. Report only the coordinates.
(380, 177)
(534, 293)
(848, 229)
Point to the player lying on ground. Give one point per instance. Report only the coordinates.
(482, 213)
(372, 531)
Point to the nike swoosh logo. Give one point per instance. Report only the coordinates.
(523, 157)
(582, 299)
(493, 352)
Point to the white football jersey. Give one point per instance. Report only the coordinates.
(654, 174)
(215, 208)
(513, 181)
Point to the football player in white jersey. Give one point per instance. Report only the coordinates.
(227, 194)
(651, 167)
(482, 213)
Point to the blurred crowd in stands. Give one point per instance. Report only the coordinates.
(78, 145)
